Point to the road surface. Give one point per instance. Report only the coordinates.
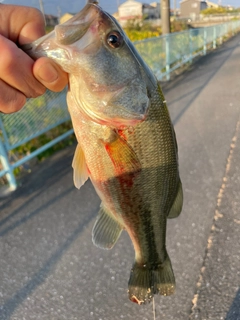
(50, 270)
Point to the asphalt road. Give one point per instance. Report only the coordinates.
(49, 268)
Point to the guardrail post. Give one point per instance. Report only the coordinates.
(220, 34)
(214, 38)
(232, 27)
(7, 167)
(167, 51)
(205, 41)
(190, 46)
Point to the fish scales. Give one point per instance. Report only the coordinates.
(126, 142)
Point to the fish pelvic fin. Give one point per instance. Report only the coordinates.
(106, 230)
(80, 170)
(145, 281)
(122, 156)
(177, 204)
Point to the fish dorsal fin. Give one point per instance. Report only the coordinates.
(123, 156)
(177, 204)
(106, 230)
(80, 171)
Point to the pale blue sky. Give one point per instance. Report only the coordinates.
(62, 6)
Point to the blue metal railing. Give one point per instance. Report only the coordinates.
(166, 53)
(37, 117)
(163, 54)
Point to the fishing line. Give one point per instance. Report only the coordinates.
(154, 310)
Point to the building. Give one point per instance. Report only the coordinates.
(51, 21)
(212, 4)
(132, 9)
(129, 10)
(156, 5)
(150, 12)
(192, 8)
(66, 17)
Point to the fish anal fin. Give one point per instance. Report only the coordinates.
(106, 230)
(80, 170)
(177, 204)
(122, 156)
(147, 280)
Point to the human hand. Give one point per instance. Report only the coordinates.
(20, 76)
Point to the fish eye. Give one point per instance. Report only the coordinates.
(114, 39)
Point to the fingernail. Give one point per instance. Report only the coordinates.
(47, 73)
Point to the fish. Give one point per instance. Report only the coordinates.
(126, 141)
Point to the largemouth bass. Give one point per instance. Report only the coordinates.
(126, 141)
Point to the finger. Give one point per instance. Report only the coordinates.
(50, 74)
(21, 24)
(16, 69)
(11, 100)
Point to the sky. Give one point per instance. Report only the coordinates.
(59, 7)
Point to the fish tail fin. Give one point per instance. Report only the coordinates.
(164, 280)
(139, 285)
(145, 281)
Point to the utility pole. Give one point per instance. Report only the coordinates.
(165, 16)
(42, 9)
(59, 12)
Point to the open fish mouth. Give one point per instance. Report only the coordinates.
(64, 34)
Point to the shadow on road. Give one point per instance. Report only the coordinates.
(45, 176)
(32, 188)
(39, 277)
(234, 311)
(38, 210)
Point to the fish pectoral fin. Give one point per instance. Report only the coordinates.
(123, 156)
(106, 230)
(177, 204)
(80, 170)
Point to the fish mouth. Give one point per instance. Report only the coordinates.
(82, 35)
(53, 44)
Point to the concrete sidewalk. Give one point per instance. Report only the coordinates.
(51, 270)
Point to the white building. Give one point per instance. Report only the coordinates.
(129, 10)
(132, 9)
